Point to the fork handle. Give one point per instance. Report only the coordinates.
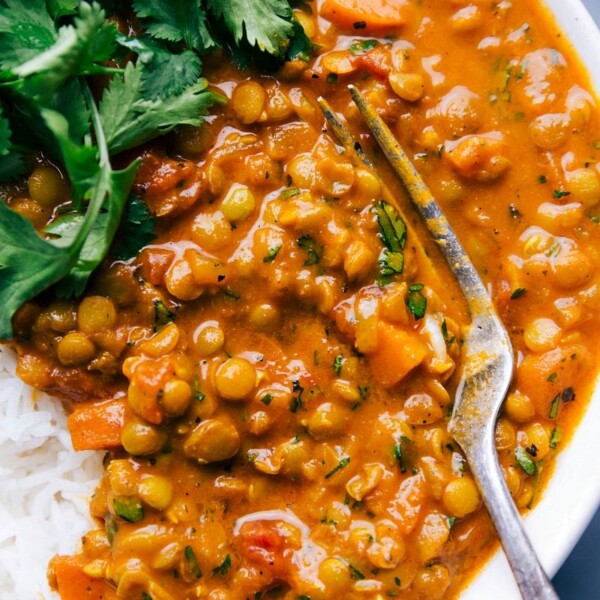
(530, 576)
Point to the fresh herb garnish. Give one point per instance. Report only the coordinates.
(129, 508)
(267, 399)
(312, 249)
(192, 561)
(49, 54)
(560, 194)
(355, 573)
(272, 252)
(555, 437)
(162, 315)
(524, 460)
(518, 293)
(362, 46)
(400, 453)
(342, 464)
(393, 236)
(337, 365)
(554, 407)
(416, 301)
(224, 567)
(137, 229)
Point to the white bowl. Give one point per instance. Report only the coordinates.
(573, 495)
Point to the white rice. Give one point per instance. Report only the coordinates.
(45, 486)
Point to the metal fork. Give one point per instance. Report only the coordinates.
(487, 359)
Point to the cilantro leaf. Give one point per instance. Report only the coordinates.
(138, 229)
(77, 50)
(28, 265)
(266, 24)
(109, 192)
(416, 301)
(524, 460)
(393, 235)
(300, 45)
(26, 29)
(176, 21)
(164, 74)
(12, 166)
(130, 119)
(62, 8)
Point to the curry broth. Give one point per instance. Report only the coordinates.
(274, 404)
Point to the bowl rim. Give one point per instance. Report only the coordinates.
(573, 495)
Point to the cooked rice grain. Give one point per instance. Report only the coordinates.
(44, 486)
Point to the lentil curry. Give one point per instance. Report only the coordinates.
(272, 375)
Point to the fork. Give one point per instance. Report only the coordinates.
(487, 360)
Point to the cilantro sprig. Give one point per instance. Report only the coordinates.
(50, 53)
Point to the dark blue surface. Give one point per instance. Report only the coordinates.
(579, 577)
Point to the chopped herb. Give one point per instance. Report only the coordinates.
(518, 293)
(337, 365)
(303, 597)
(342, 464)
(332, 78)
(400, 453)
(111, 526)
(359, 25)
(312, 249)
(231, 294)
(355, 573)
(267, 399)
(362, 46)
(542, 179)
(290, 192)
(416, 301)
(451, 521)
(397, 581)
(162, 315)
(224, 567)
(524, 460)
(197, 394)
(536, 483)
(129, 508)
(554, 407)
(363, 391)
(555, 437)
(137, 229)
(192, 561)
(568, 394)
(449, 339)
(146, 596)
(272, 252)
(393, 235)
(560, 194)
(552, 377)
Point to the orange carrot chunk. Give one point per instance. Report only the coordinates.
(72, 583)
(398, 352)
(97, 426)
(366, 15)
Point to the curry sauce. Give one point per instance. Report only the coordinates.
(272, 375)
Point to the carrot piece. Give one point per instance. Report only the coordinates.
(366, 15)
(97, 426)
(398, 352)
(73, 584)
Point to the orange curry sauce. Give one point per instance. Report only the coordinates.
(274, 408)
